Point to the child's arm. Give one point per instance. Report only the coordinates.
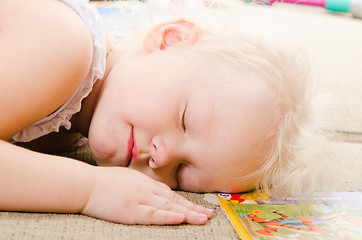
(31, 181)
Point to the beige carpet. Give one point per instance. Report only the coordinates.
(335, 42)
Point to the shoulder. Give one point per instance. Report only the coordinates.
(46, 53)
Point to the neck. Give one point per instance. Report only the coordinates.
(82, 120)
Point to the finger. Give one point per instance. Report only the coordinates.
(168, 205)
(173, 196)
(151, 215)
(194, 207)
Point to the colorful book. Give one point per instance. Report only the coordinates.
(327, 217)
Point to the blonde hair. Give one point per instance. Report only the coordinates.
(240, 35)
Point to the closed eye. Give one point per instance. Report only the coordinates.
(177, 176)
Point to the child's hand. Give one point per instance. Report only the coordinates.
(126, 196)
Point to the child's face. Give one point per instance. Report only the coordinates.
(177, 121)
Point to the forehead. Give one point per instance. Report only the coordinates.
(240, 112)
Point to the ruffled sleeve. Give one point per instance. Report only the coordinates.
(62, 116)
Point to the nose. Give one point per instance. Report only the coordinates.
(164, 152)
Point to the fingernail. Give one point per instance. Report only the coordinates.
(209, 212)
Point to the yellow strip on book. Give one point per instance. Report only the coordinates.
(238, 226)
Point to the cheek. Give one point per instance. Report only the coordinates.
(190, 181)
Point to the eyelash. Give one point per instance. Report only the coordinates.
(183, 120)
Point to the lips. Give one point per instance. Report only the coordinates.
(130, 147)
(131, 151)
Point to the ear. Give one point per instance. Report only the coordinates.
(169, 34)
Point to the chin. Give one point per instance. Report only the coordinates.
(102, 158)
(102, 149)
